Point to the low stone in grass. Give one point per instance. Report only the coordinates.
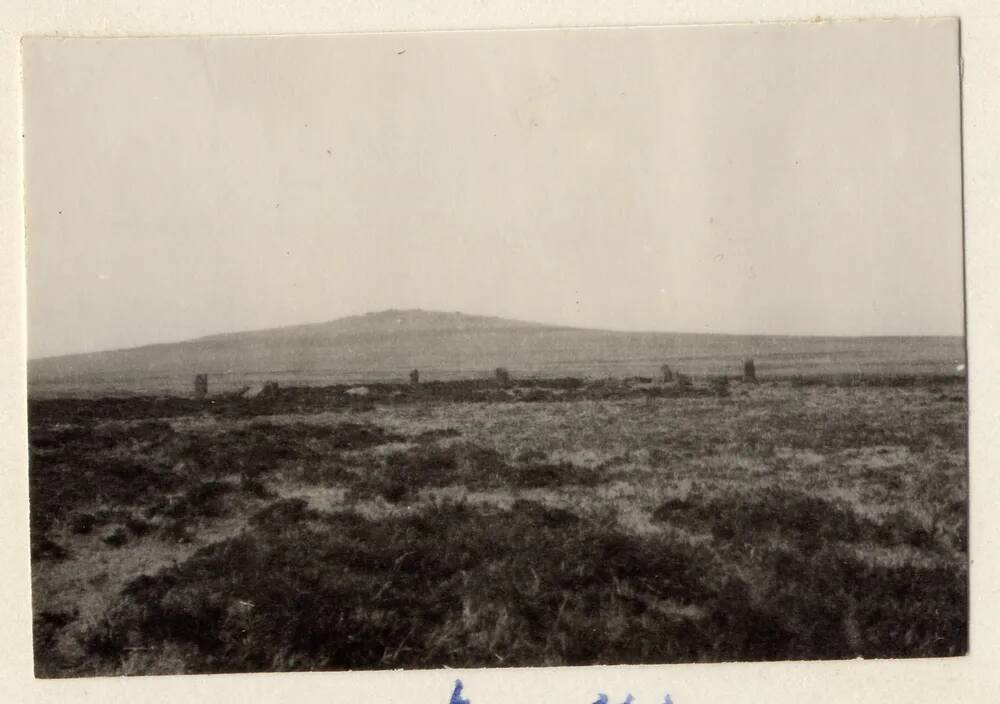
(116, 538)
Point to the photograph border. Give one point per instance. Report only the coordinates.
(970, 678)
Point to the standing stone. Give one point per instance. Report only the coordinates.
(667, 373)
(269, 389)
(502, 375)
(721, 386)
(200, 385)
(749, 370)
(415, 377)
(252, 391)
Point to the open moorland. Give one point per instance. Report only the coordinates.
(480, 523)
(386, 345)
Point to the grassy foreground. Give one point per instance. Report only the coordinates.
(464, 524)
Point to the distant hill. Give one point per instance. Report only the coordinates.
(387, 344)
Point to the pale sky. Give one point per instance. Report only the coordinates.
(800, 179)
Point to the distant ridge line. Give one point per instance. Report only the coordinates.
(467, 322)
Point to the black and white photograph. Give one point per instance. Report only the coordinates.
(495, 349)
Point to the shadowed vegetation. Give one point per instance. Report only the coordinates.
(454, 586)
(812, 522)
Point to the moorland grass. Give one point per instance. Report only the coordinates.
(457, 586)
(403, 474)
(781, 521)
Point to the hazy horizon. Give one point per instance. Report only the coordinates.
(225, 333)
(799, 180)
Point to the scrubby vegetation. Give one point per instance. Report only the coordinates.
(752, 517)
(536, 522)
(403, 474)
(451, 586)
(456, 586)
